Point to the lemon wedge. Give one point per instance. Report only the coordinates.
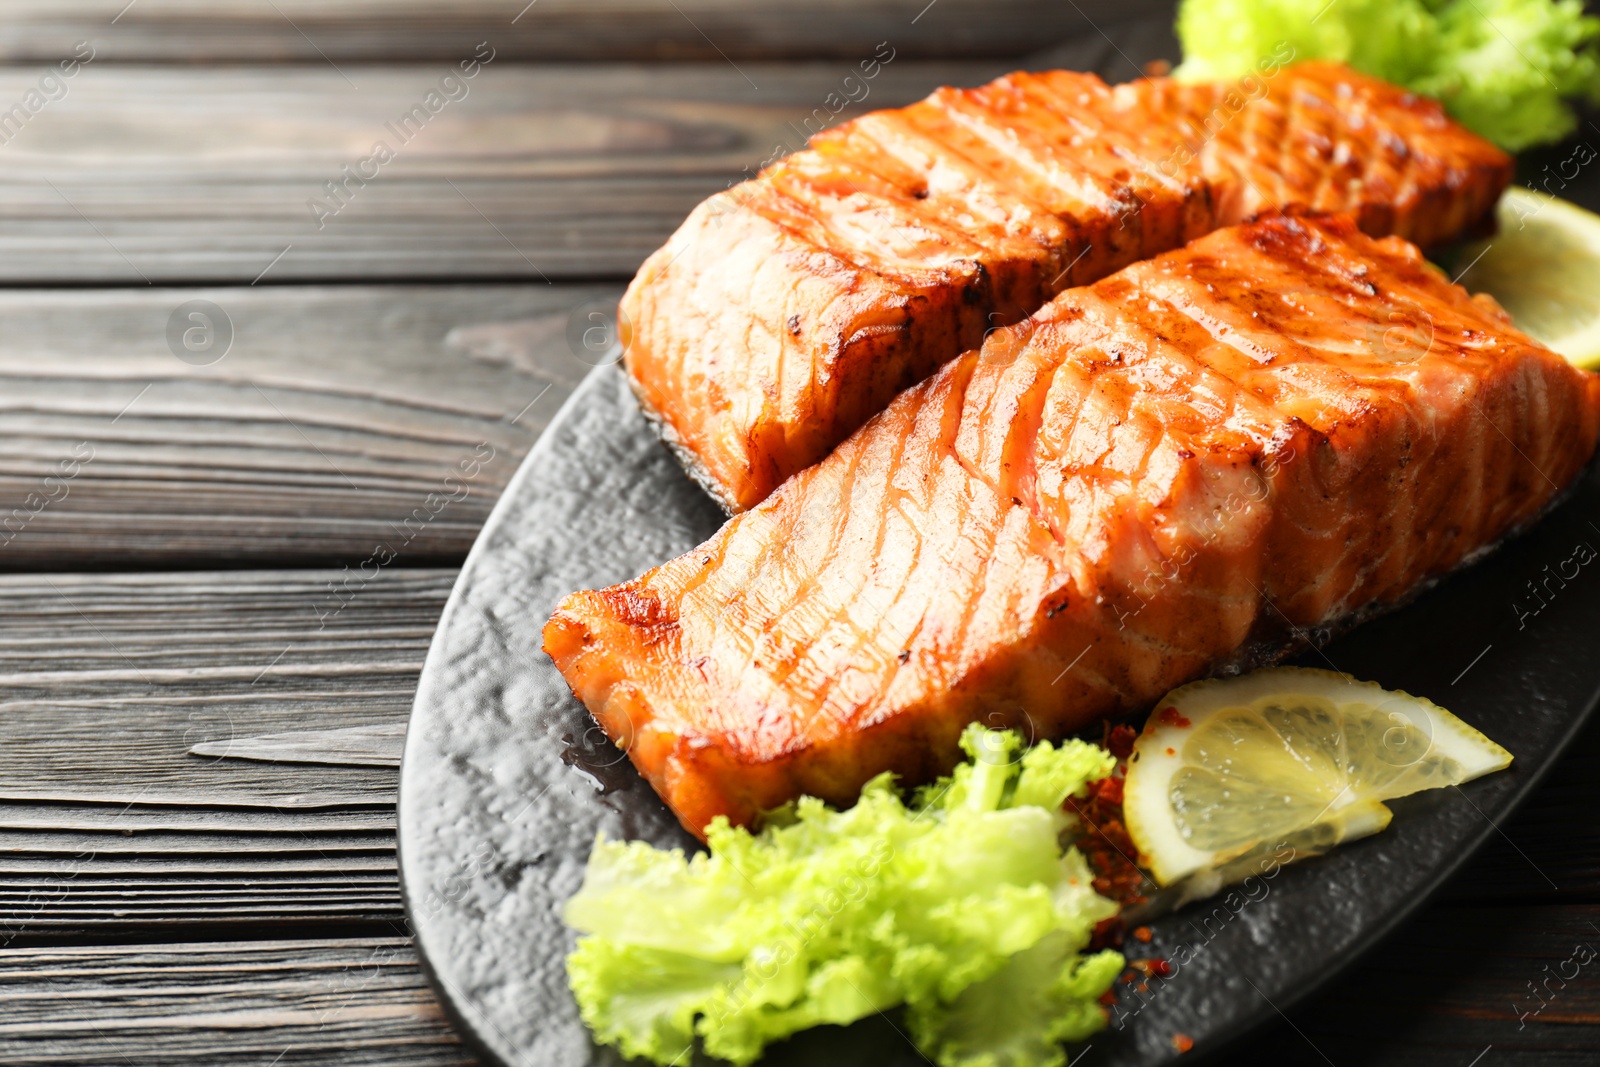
(1544, 269)
(1230, 770)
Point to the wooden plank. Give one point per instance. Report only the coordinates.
(50, 918)
(561, 30)
(98, 903)
(124, 918)
(245, 1003)
(339, 421)
(55, 906)
(198, 864)
(133, 670)
(108, 680)
(159, 843)
(1543, 852)
(144, 175)
(124, 818)
(232, 919)
(1444, 989)
(354, 746)
(59, 896)
(1452, 984)
(88, 887)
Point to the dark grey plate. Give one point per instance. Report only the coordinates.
(506, 779)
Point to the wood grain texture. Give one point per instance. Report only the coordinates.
(70, 901)
(353, 746)
(1450, 986)
(108, 680)
(217, 623)
(340, 421)
(144, 175)
(100, 922)
(183, 31)
(1447, 986)
(197, 864)
(136, 818)
(1551, 850)
(259, 1003)
(161, 843)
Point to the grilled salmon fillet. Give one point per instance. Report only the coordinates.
(1179, 468)
(787, 311)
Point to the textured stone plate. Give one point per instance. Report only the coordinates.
(506, 780)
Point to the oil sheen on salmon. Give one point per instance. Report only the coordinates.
(1277, 427)
(787, 311)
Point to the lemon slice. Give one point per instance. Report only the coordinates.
(1230, 770)
(1544, 268)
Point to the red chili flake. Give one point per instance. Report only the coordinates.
(1107, 934)
(1105, 844)
(1119, 740)
(1108, 998)
(1168, 716)
(1182, 1043)
(1108, 790)
(1142, 933)
(1154, 967)
(1142, 987)
(1171, 751)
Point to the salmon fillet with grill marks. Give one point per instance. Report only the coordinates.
(787, 311)
(1275, 428)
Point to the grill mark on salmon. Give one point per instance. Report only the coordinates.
(786, 312)
(1137, 485)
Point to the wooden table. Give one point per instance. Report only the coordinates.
(186, 503)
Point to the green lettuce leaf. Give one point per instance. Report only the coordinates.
(1020, 1015)
(944, 905)
(1508, 69)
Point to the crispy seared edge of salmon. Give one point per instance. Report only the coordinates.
(682, 451)
(764, 469)
(695, 773)
(702, 778)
